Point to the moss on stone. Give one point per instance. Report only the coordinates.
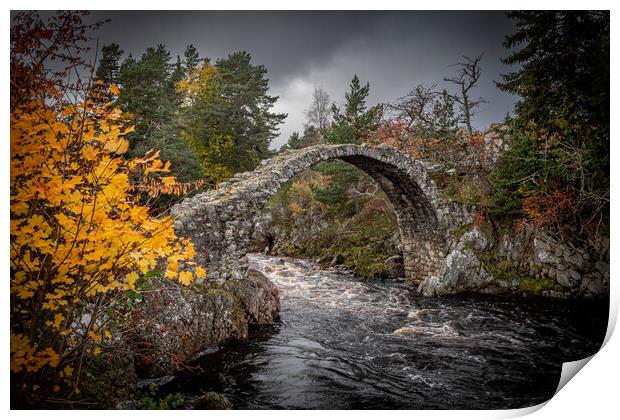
(461, 230)
(463, 189)
(532, 286)
(503, 272)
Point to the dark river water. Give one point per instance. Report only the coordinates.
(346, 343)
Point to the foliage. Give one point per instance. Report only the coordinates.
(358, 230)
(354, 121)
(151, 401)
(310, 137)
(562, 117)
(192, 58)
(214, 144)
(35, 42)
(148, 95)
(552, 209)
(246, 106)
(341, 175)
(109, 64)
(80, 238)
(469, 188)
(227, 116)
(505, 272)
(457, 153)
(535, 287)
(294, 142)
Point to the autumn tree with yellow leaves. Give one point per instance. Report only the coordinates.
(80, 235)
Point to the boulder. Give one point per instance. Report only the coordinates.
(461, 272)
(602, 268)
(475, 238)
(575, 259)
(593, 284)
(260, 298)
(568, 278)
(545, 251)
(173, 322)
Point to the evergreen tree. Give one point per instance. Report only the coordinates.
(311, 136)
(192, 59)
(562, 118)
(294, 142)
(108, 68)
(178, 72)
(147, 90)
(247, 104)
(564, 75)
(353, 123)
(227, 117)
(148, 93)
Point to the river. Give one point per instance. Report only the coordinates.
(347, 343)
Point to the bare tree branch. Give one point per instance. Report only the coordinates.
(466, 79)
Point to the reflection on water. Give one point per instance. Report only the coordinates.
(346, 343)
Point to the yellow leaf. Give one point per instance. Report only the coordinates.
(168, 180)
(131, 280)
(200, 272)
(186, 278)
(58, 318)
(68, 370)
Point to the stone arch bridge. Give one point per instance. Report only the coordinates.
(221, 222)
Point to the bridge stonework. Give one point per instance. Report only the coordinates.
(221, 222)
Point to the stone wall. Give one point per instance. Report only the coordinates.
(578, 269)
(527, 263)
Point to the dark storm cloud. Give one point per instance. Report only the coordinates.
(393, 51)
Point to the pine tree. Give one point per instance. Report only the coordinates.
(178, 72)
(245, 89)
(562, 119)
(148, 93)
(310, 137)
(353, 123)
(227, 117)
(294, 142)
(108, 68)
(564, 74)
(192, 59)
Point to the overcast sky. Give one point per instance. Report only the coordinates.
(394, 51)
